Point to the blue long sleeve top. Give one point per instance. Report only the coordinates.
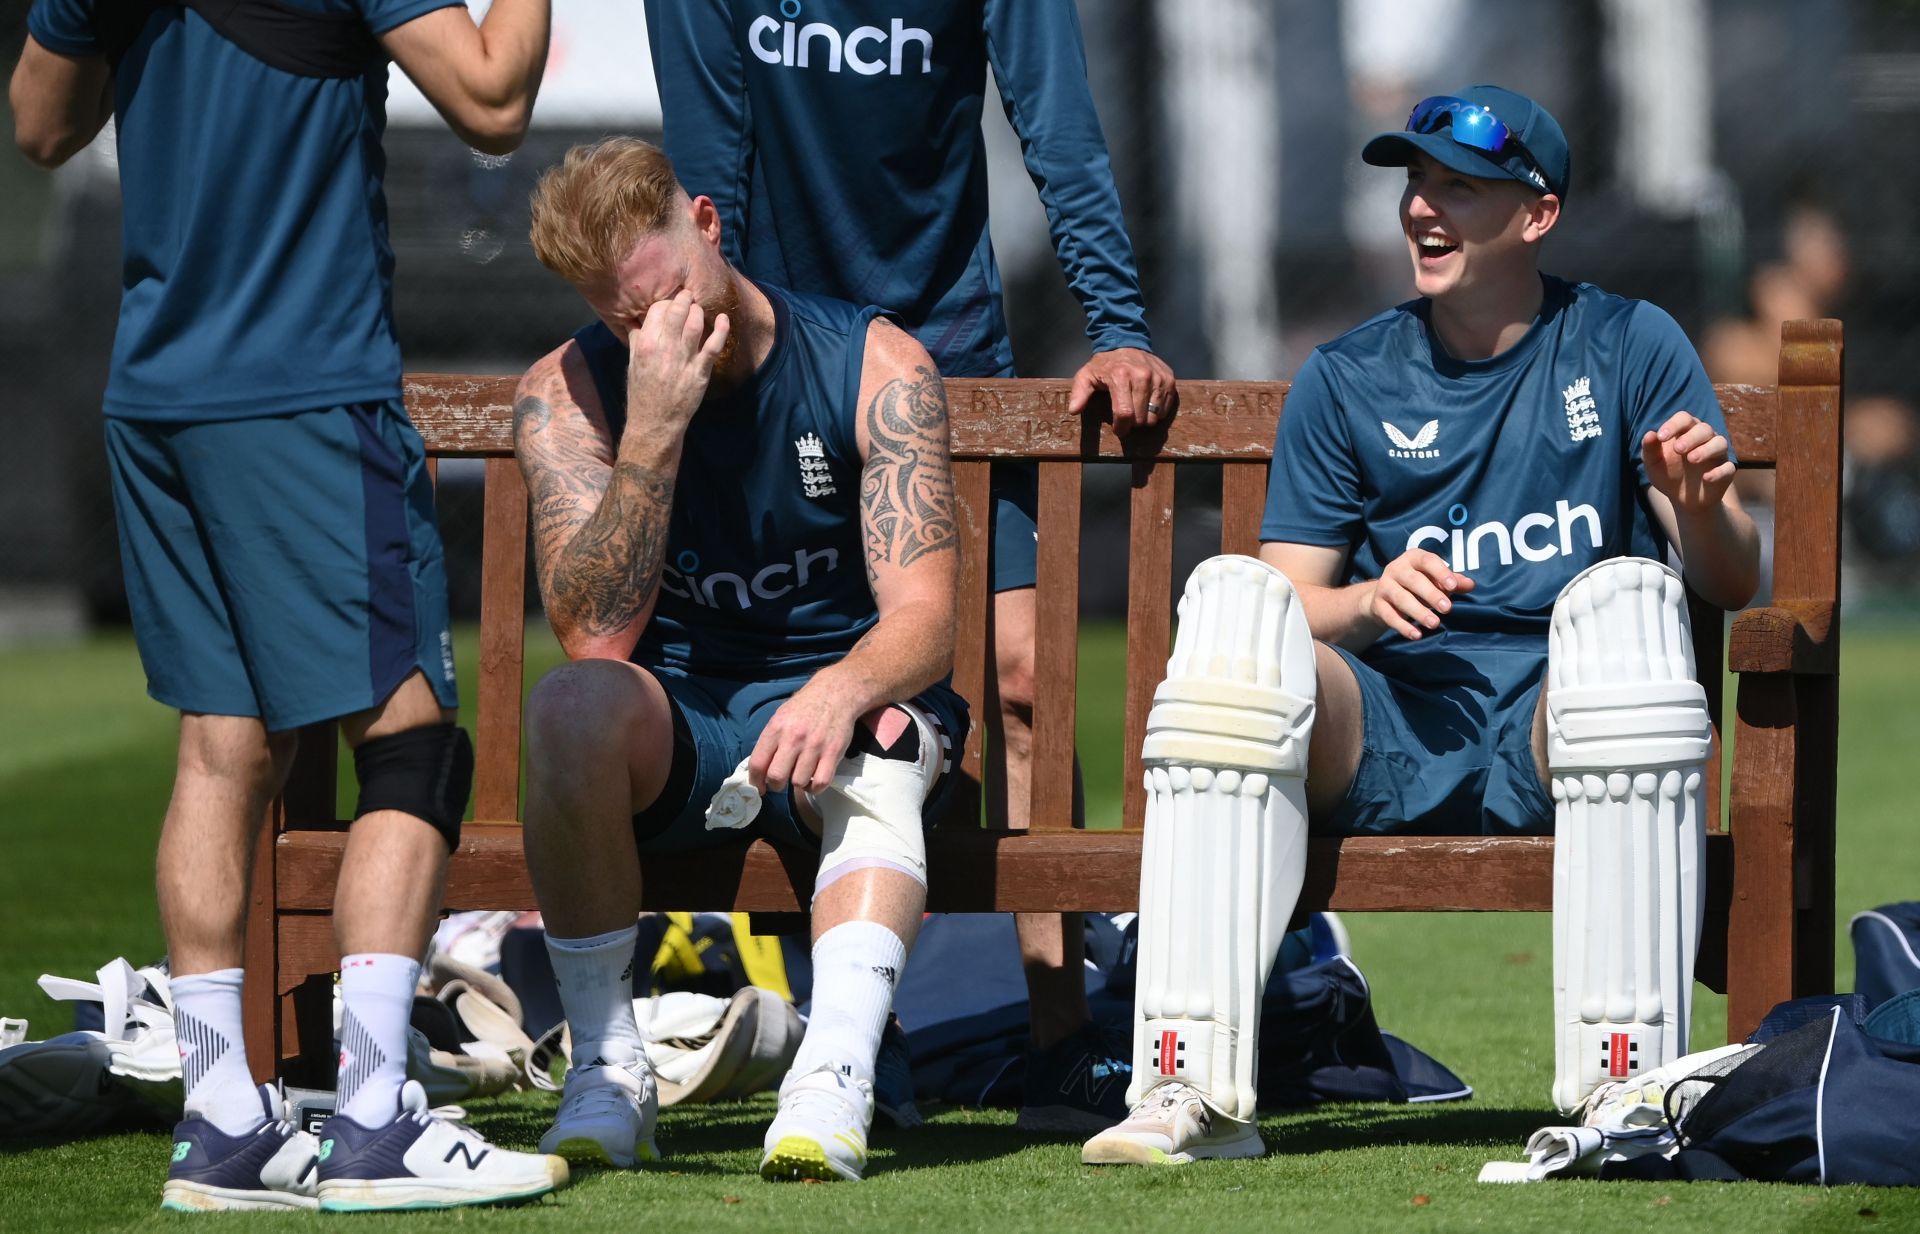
(842, 146)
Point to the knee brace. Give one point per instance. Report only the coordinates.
(870, 815)
(425, 772)
(1628, 736)
(1224, 852)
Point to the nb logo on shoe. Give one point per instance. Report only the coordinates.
(326, 1149)
(1535, 537)
(466, 1154)
(795, 45)
(181, 1150)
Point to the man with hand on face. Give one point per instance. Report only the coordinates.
(744, 527)
(1459, 623)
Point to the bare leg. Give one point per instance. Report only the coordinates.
(1339, 731)
(599, 748)
(228, 771)
(1052, 945)
(394, 871)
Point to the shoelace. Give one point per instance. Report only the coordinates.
(823, 1104)
(597, 1099)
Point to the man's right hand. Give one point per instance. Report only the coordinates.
(668, 366)
(1414, 592)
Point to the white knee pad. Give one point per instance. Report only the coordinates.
(1628, 736)
(870, 815)
(1225, 844)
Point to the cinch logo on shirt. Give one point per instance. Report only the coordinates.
(1536, 537)
(797, 45)
(725, 589)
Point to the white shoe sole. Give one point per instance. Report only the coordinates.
(1119, 1150)
(361, 1195)
(189, 1197)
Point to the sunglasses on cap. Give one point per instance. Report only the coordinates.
(1474, 126)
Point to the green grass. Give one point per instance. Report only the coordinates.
(85, 764)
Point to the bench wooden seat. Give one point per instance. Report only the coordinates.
(1769, 930)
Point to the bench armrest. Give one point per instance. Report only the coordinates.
(1799, 637)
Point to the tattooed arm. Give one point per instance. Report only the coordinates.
(599, 519)
(913, 565)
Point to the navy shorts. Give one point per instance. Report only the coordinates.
(1441, 761)
(286, 567)
(1016, 525)
(716, 722)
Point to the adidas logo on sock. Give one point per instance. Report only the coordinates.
(887, 971)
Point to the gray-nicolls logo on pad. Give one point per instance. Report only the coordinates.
(816, 478)
(1420, 445)
(1583, 415)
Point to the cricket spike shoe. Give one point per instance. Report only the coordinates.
(421, 1161)
(274, 1167)
(1173, 1125)
(606, 1117)
(820, 1131)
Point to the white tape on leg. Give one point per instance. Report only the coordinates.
(1225, 844)
(870, 815)
(1627, 740)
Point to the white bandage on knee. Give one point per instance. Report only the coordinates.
(1225, 844)
(1627, 740)
(870, 815)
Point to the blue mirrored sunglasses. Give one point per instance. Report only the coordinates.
(1471, 125)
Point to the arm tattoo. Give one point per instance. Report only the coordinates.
(906, 487)
(599, 527)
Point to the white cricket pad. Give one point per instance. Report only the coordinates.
(1628, 735)
(870, 811)
(1226, 829)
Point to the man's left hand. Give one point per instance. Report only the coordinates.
(1687, 461)
(1138, 383)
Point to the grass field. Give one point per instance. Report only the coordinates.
(85, 763)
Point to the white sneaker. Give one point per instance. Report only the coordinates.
(1173, 1125)
(606, 1117)
(420, 1161)
(821, 1129)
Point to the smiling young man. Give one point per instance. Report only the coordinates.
(1460, 623)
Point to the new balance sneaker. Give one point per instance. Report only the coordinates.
(606, 1117)
(1173, 1125)
(420, 1161)
(273, 1167)
(820, 1130)
(1077, 1084)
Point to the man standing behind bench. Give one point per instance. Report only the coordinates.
(1460, 623)
(276, 526)
(744, 527)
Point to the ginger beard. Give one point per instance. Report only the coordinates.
(725, 300)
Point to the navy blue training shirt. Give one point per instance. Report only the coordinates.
(256, 273)
(1520, 470)
(841, 141)
(765, 572)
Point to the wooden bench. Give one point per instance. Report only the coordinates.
(1769, 929)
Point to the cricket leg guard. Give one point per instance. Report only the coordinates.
(1226, 829)
(1627, 741)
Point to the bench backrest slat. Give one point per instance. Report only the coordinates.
(503, 607)
(1149, 618)
(1056, 646)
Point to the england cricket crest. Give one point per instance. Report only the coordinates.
(1583, 415)
(816, 477)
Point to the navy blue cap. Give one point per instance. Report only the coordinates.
(1550, 170)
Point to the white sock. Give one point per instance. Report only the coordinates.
(855, 967)
(213, 1056)
(376, 993)
(595, 976)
